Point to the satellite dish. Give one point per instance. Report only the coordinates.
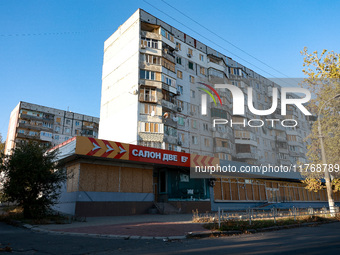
(175, 118)
(166, 115)
(153, 113)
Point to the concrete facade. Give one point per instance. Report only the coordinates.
(47, 125)
(151, 96)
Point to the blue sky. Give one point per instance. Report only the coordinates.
(51, 51)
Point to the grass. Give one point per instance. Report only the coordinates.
(14, 214)
(244, 225)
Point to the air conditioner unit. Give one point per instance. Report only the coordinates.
(189, 55)
(179, 143)
(179, 109)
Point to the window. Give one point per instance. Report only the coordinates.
(181, 121)
(190, 51)
(181, 137)
(179, 60)
(180, 89)
(194, 139)
(168, 80)
(57, 129)
(179, 74)
(58, 120)
(202, 70)
(194, 123)
(191, 65)
(148, 109)
(145, 74)
(180, 104)
(224, 144)
(77, 123)
(148, 95)
(147, 42)
(151, 127)
(67, 130)
(168, 65)
(192, 79)
(68, 122)
(206, 142)
(193, 108)
(193, 94)
(170, 131)
(201, 57)
(205, 126)
(178, 46)
(151, 59)
(21, 131)
(236, 71)
(167, 35)
(46, 124)
(56, 137)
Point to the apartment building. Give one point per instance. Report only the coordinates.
(47, 125)
(152, 86)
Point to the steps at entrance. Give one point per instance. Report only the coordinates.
(166, 208)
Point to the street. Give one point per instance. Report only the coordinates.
(323, 239)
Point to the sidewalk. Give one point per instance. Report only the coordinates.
(146, 226)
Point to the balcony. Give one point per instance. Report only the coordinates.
(223, 150)
(29, 117)
(224, 135)
(169, 88)
(170, 122)
(27, 136)
(147, 98)
(285, 162)
(216, 66)
(151, 35)
(282, 150)
(170, 139)
(151, 83)
(246, 155)
(169, 105)
(281, 139)
(34, 127)
(168, 56)
(245, 141)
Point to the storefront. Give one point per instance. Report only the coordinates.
(108, 178)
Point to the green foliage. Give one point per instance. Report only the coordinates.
(31, 178)
(323, 81)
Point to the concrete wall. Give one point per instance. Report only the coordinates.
(119, 101)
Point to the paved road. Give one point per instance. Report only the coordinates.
(323, 239)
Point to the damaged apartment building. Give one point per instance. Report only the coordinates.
(152, 82)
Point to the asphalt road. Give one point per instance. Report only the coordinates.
(323, 239)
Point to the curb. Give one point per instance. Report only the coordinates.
(190, 235)
(123, 237)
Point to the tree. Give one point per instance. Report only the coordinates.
(32, 178)
(323, 80)
(324, 83)
(2, 144)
